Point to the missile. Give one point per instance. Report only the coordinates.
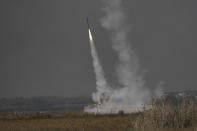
(88, 23)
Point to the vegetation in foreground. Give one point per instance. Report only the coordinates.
(163, 116)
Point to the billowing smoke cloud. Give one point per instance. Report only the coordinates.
(132, 93)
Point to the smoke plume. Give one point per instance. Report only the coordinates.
(132, 93)
(101, 83)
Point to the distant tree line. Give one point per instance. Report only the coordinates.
(72, 104)
(44, 104)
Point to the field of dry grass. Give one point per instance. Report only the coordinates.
(161, 117)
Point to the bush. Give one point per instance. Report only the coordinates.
(121, 112)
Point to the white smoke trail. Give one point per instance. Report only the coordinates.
(132, 93)
(101, 83)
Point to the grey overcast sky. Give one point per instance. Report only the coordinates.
(45, 50)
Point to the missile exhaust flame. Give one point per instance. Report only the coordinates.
(90, 37)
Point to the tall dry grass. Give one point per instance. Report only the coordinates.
(168, 115)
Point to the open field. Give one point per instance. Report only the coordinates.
(163, 116)
(71, 122)
(77, 122)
